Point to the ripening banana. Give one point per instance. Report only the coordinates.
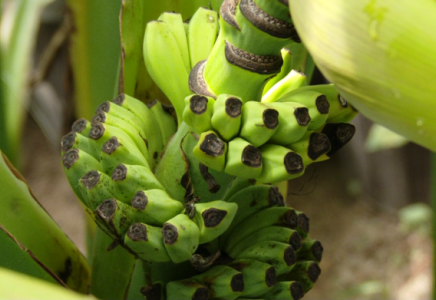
(312, 147)
(211, 150)
(75, 140)
(96, 187)
(285, 290)
(198, 112)
(226, 118)
(310, 250)
(305, 272)
(243, 159)
(290, 82)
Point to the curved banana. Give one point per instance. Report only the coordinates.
(226, 118)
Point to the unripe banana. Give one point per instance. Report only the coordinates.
(76, 164)
(316, 102)
(149, 124)
(186, 289)
(279, 255)
(115, 217)
(155, 207)
(290, 82)
(339, 135)
(292, 290)
(213, 218)
(75, 140)
(226, 118)
(198, 112)
(294, 119)
(175, 26)
(251, 200)
(236, 185)
(114, 152)
(181, 237)
(165, 64)
(203, 32)
(223, 282)
(167, 124)
(129, 179)
(211, 151)
(310, 250)
(280, 164)
(285, 69)
(280, 216)
(272, 233)
(258, 277)
(243, 159)
(135, 134)
(305, 272)
(303, 224)
(312, 147)
(146, 241)
(96, 187)
(82, 126)
(101, 133)
(259, 123)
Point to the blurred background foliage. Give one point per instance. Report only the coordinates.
(369, 206)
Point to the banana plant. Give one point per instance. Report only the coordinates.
(185, 195)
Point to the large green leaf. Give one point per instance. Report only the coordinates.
(381, 56)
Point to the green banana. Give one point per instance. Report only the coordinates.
(292, 290)
(317, 103)
(75, 140)
(259, 123)
(303, 224)
(167, 124)
(290, 82)
(149, 125)
(128, 179)
(95, 187)
(236, 185)
(101, 133)
(114, 218)
(223, 282)
(226, 118)
(339, 135)
(280, 216)
(202, 34)
(258, 277)
(198, 112)
(213, 218)
(305, 272)
(310, 250)
(251, 200)
(135, 134)
(280, 164)
(272, 233)
(312, 147)
(147, 243)
(243, 159)
(76, 164)
(175, 26)
(155, 207)
(186, 289)
(285, 69)
(294, 119)
(81, 126)
(211, 150)
(165, 64)
(114, 152)
(280, 255)
(181, 237)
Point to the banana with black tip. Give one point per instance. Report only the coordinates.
(243, 159)
(198, 112)
(279, 164)
(305, 272)
(213, 218)
(310, 250)
(211, 151)
(181, 237)
(312, 147)
(226, 118)
(339, 135)
(292, 290)
(186, 289)
(96, 187)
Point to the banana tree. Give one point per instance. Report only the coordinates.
(185, 191)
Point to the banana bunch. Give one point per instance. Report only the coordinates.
(191, 198)
(272, 140)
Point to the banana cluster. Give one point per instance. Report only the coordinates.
(273, 140)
